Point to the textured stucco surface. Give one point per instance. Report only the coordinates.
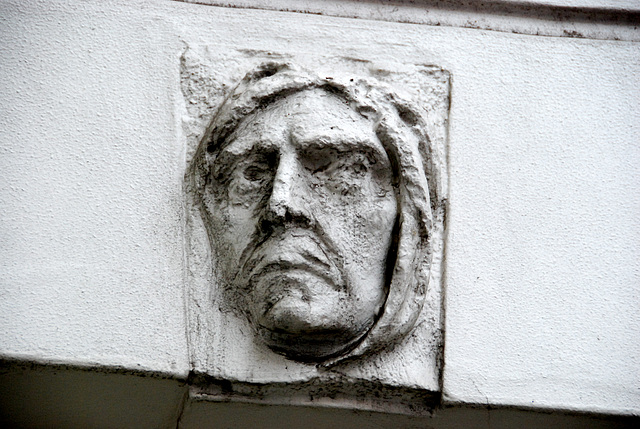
(542, 277)
(591, 19)
(91, 169)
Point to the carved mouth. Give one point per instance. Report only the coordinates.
(282, 267)
(294, 250)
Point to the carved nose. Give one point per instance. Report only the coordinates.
(286, 203)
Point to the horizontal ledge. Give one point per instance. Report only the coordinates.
(9, 363)
(330, 392)
(579, 18)
(80, 396)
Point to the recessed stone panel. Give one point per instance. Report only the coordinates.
(315, 197)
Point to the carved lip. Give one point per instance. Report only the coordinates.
(296, 249)
(282, 267)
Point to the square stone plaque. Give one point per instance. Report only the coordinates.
(315, 194)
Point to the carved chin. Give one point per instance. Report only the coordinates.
(302, 316)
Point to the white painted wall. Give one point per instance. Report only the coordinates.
(542, 269)
(91, 171)
(595, 19)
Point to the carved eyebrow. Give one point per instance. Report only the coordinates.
(247, 147)
(346, 145)
(225, 160)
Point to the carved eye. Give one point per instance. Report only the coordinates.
(255, 173)
(321, 166)
(351, 166)
(332, 163)
(357, 167)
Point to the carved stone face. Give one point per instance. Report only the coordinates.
(303, 212)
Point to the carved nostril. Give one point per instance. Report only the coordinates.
(286, 203)
(297, 219)
(266, 226)
(284, 208)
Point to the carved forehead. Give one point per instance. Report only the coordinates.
(313, 117)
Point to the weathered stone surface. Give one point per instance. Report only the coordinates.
(317, 206)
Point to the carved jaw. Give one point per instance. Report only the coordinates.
(310, 346)
(297, 319)
(296, 287)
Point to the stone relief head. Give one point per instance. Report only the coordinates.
(315, 197)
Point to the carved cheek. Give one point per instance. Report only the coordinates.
(359, 225)
(240, 226)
